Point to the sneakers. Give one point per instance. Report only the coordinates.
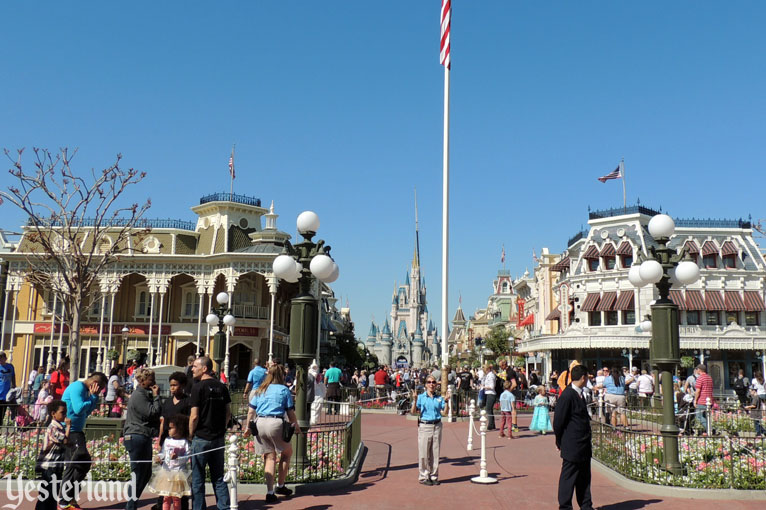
(271, 498)
(426, 482)
(515, 428)
(284, 491)
(435, 481)
(70, 506)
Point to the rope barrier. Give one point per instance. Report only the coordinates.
(131, 461)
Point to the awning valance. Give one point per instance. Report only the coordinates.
(607, 302)
(625, 249)
(733, 301)
(728, 248)
(607, 250)
(694, 300)
(554, 315)
(713, 301)
(625, 301)
(591, 300)
(677, 297)
(561, 265)
(709, 248)
(753, 301)
(529, 320)
(591, 253)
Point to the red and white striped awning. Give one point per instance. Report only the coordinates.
(625, 249)
(591, 301)
(554, 315)
(625, 301)
(694, 300)
(692, 247)
(677, 297)
(709, 248)
(607, 302)
(713, 300)
(607, 250)
(529, 320)
(728, 248)
(733, 301)
(591, 253)
(754, 301)
(561, 265)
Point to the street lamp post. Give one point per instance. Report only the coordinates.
(303, 263)
(223, 318)
(125, 332)
(662, 266)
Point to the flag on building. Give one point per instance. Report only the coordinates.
(231, 163)
(446, 16)
(616, 174)
(502, 255)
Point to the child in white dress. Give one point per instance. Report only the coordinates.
(172, 479)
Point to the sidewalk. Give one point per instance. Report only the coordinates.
(527, 469)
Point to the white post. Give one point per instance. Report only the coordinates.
(709, 417)
(273, 292)
(151, 322)
(702, 356)
(230, 477)
(763, 364)
(5, 314)
(158, 358)
(100, 359)
(445, 222)
(471, 410)
(110, 362)
(49, 364)
(199, 320)
(601, 405)
(483, 475)
(229, 331)
(319, 322)
(13, 325)
(630, 360)
(449, 403)
(62, 323)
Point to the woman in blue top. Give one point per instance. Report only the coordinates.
(614, 385)
(267, 409)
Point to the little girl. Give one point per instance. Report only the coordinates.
(40, 409)
(541, 420)
(506, 409)
(119, 404)
(172, 479)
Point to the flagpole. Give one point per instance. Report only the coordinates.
(445, 221)
(622, 172)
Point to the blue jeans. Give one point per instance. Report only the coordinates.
(139, 448)
(701, 415)
(214, 460)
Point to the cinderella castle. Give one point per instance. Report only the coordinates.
(408, 336)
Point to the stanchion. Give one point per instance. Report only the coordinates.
(483, 475)
(709, 413)
(601, 406)
(230, 477)
(471, 410)
(450, 388)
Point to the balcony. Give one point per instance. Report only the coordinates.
(121, 222)
(620, 211)
(251, 312)
(230, 197)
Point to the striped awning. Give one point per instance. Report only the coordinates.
(753, 301)
(728, 248)
(625, 301)
(709, 248)
(591, 301)
(561, 265)
(678, 299)
(591, 253)
(713, 300)
(554, 315)
(625, 249)
(692, 247)
(607, 250)
(694, 300)
(733, 301)
(607, 302)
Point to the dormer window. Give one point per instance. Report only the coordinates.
(609, 255)
(591, 257)
(693, 250)
(505, 287)
(729, 255)
(709, 255)
(625, 253)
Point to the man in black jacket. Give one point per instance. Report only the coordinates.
(571, 424)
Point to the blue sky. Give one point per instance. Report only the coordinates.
(337, 107)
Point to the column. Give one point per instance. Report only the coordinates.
(111, 327)
(158, 360)
(100, 359)
(13, 325)
(151, 322)
(273, 291)
(49, 363)
(200, 307)
(5, 314)
(229, 331)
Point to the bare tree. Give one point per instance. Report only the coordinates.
(77, 226)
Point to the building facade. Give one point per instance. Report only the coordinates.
(595, 310)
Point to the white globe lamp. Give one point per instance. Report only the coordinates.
(222, 298)
(334, 275)
(650, 271)
(211, 319)
(634, 276)
(321, 266)
(662, 225)
(646, 326)
(308, 221)
(283, 266)
(687, 272)
(229, 320)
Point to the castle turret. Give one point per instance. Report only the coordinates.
(371, 338)
(417, 347)
(386, 342)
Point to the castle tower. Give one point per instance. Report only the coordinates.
(417, 347)
(386, 342)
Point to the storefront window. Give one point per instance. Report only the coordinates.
(629, 317)
(611, 318)
(752, 318)
(693, 318)
(594, 318)
(713, 318)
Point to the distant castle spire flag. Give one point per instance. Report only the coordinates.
(231, 162)
(502, 255)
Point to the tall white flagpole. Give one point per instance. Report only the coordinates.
(622, 173)
(446, 21)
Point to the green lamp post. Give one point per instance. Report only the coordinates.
(303, 263)
(663, 266)
(223, 318)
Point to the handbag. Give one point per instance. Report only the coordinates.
(287, 431)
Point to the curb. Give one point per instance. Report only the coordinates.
(670, 491)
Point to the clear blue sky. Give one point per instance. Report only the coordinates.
(337, 107)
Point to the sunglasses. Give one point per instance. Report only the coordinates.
(430, 382)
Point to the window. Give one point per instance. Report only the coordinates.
(713, 318)
(709, 261)
(693, 318)
(41, 356)
(609, 262)
(191, 304)
(594, 318)
(629, 317)
(752, 318)
(49, 299)
(732, 317)
(611, 318)
(505, 287)
(593, 264)
(626, 261)
(729, 261)
(88, 360)
(144, 303)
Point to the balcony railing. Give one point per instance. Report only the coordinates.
(577, 237)
(713, 223)
(251, 312)
(230, 197)
(620, 211)
(121, 222)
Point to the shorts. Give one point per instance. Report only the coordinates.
(269, 439)
(616, 401)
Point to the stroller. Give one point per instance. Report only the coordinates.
(684, 416)
(18, 411)
(403, 404)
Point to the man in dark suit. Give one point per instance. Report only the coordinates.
(571, 424)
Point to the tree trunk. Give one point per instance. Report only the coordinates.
(74, 342)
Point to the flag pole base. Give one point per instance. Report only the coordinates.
(485, 480)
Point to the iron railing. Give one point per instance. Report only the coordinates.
(121, 222)
(251, 312)
(230, 197)
(580, 235)
(713, 223)
(619, 211)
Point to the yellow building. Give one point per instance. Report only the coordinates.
(154, 299)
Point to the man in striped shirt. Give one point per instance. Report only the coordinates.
(703, 392)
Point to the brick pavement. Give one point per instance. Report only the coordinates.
(527, 469)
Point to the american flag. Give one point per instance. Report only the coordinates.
(231, 163)
(446, 15)
(502, 255)
(611, 175)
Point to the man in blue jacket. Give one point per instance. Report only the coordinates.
(81, 398)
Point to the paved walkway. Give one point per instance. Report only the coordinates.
(527, 469)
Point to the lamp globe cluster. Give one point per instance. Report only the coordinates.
(321, 266)
(649, 271)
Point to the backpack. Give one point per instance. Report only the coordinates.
(740, 386)
(499, 382)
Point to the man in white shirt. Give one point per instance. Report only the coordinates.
(645, 388)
